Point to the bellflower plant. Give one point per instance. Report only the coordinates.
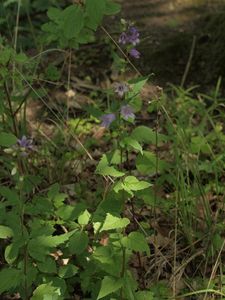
(24, 145)
(134, 53)
(132, 37)
(123, 38)
(127, 112)
(121, 88)
(107, 119)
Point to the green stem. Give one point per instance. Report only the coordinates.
(122, 273)
(11, 109)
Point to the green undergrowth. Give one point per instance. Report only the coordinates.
(104, 194)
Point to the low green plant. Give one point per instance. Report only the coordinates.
(53, 247)
(78, 216)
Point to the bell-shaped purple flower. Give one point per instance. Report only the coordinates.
(135, 53)
(121, 88)
(123, 38)
(127, 112)
(24, 145)
(107, 119)
(133, 36)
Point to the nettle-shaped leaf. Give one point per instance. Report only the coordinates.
(76, 24)
(65, 25)
(96, 9)
(7, 139)
(10, 279)
(131, 184)
(111, 223)
(105, 169)
(136, 241)
(5, 232)
(46, 292)
(132, 143)
(134, 95)
(55, 196)
(146, 135)
(109, 285)
(40, 247)
(148, 164)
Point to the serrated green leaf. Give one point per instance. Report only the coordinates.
(5, 55)
(67, 271)
(136, 242)
(41, 246)
(11, 253)
(55, 14)
(117, 157)
(73, 21)
(51, 28)
(55, 196)
(104, 255)
(133, 143)
(133, 184)
(7, 139)
(104, 169)
(5, 232)
(111, 171)
(112, 222)
(9, 279)
(10, 195)
(146, 135)
(84, 218)
(47, 266)
(144, 295)
(109, 285)
(95, 10)
(78, 242)
(130, 184)
(111, 8)
(137, 84)
(21, 58)
(46, 292)
(147, 163)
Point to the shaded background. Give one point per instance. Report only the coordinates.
(169, 28)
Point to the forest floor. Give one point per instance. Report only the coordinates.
(170, 29)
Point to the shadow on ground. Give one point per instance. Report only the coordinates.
(168, 28)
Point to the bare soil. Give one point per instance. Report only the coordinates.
(168, 28)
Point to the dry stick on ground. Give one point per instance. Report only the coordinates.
(214, 269)
(189, 62)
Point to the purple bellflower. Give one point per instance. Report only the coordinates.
(121, 88)
(133, 36)
(127, 112)
(123, 38)
(135, 53)
(24, 145)
(107, 119)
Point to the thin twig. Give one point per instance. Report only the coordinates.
(189, 61)
(11, 109)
